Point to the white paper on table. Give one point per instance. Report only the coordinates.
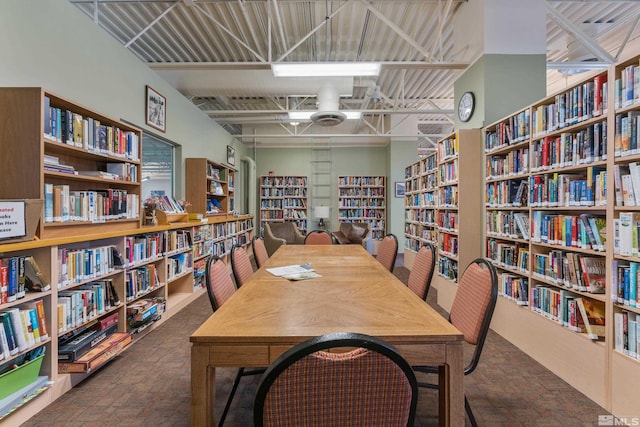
(289, 270)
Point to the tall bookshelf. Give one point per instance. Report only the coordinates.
(572, 149)
(284, 199)
(209, 187)
(459, 200)
(363, 199)
(84, 166)
(421, 206)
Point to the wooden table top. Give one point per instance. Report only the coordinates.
(354, 294)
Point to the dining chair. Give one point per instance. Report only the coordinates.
(422, 271)
(220, 288)
(362, 381)
(318, 237)
(388, 251)
(240, 265)
(260, 254)
(471, 313)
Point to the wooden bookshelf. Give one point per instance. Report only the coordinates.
(284, 199)
(70, 153)
(421, 206)
(459, 200)
(209, 187)
(363, 199)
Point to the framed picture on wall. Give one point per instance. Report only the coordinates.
(231, 155)
(399, 189)
(156, 109)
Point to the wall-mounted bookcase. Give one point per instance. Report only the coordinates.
(421, 206)
(284, 199)
(560, 226)
(363, 199)
(210, 187)
(82, 164)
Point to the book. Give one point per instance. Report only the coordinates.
(98, 356)
(523, 223)
(38, 307)
(34, 279)
(593, 316)
(80, 345)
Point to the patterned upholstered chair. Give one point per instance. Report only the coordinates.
(318, 237)
(277, 234)
(368, 383)
(220, 288)
(351, 233)
(260, 254)
(388, 251)
(471, 313)
(240, 265)
(422, 271)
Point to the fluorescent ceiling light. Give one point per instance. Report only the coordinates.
(325, 69)
(306, 115)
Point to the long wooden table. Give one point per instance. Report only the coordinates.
(269, 314)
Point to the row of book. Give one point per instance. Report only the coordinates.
(448, 196)
(509, 193)
(362, 192)
(626, 134)
(361, 181)
(626, 88)
(514, 225)
(284, 181)
(271, 214)
(271, 204)
(179, 264)
(144, 247)
(141, 280)
(514, 130)
(22, 327)
(82, 304)
(579, 103)
(178, 240)
(627, 184)
(77, 265)
(627, 333)
(294, 214)
(448, 172)
(513, 287)
(168, 204)
(447, 148)
(624, 283)
(61, 204)
(74, 129)
(582, 231)
(576, 271)
(584, 315)
(357, 203)
(422, 200)
(447, 268)
(427, 165)
(582, 147)
(508, 254)
(423, 216)
(626, 229)
(448, 244)
(448, 220)
(143, 312)
(214, 172)
(271, 192)
(513, 163)
(569, 189)
(423, 183)
(19, 275)
(359, 213)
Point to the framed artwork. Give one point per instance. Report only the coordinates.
(231, 155)
(156, 106)
(399, 189)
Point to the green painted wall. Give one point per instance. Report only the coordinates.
(53, 45)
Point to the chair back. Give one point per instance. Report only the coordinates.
(422, 271)
(371, 385)
(388, 251)
(473, 305)
(318, 237)
(220, 286)
(240, 265)
(260, 254)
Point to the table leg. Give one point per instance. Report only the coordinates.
(203, 378)
(454, 414)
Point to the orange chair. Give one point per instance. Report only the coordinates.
(318, 237)
(388, 251)
(471, 313)
(240, 265)
(422, 271)
(371, 385)
(260, 254)
(220, 288)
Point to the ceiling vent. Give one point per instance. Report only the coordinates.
(328, 102)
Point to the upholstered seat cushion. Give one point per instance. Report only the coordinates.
(351, 232)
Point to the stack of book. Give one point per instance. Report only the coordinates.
(52, 164)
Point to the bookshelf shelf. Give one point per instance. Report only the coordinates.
(284, 199)
(209, 187)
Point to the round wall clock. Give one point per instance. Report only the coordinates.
(466, 106)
